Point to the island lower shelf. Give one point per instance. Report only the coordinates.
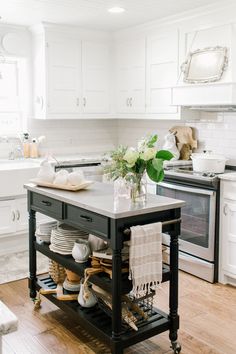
(97, 321)
(102, 280)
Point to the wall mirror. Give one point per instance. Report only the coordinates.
(205, 65)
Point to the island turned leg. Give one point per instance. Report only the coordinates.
(32, 255)
(116, 245)
(173, 297)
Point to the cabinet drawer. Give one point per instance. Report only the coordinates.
(92, 222)
(48, 206)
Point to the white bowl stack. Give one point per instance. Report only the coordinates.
(64, 237)
(43, 231)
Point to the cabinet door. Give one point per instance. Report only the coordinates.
(21, 214)
(96, 77)
(64, 75)
(229, 236)
(162, 70)
(7, 216)
(130, 76)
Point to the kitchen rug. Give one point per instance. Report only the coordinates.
(15, 266)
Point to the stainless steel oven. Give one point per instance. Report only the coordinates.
(198, 228)
(198, 219)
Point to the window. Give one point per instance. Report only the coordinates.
(11, 103)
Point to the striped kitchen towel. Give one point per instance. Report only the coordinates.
(145, 257)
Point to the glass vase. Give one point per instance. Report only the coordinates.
(138, 189)
(121, 190)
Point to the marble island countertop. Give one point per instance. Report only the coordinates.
(99, 199)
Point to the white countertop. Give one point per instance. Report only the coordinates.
(231, 176)
(23, 163)
(99, 199)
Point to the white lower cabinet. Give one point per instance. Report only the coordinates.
(14, 216)
(227, 270)
(7, 217)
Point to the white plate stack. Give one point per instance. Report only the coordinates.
(43, 232)
(64, 237)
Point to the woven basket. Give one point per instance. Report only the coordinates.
(56, 271)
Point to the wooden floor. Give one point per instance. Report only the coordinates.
(207, 314)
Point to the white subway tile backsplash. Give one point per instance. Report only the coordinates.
(218, 136)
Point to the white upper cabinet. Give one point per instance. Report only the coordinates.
(162, 72)
(95, 77)
(64, 75)
(130, 76)
(71, 75)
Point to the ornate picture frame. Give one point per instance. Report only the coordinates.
(205, 65)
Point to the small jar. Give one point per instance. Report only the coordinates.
(34, 149)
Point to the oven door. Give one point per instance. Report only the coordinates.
(198, 219)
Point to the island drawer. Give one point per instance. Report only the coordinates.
(91, 222)
(47, 205)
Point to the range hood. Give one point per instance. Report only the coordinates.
(208, 97)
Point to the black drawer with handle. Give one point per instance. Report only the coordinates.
(48, 206)
(91, 222)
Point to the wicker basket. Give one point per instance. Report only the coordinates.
(56, 271)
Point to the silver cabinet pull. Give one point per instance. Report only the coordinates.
(225, 209)
(127, 102)
(130, 101)
(17, 215)
(13, 215)
(77, 101)
(85, 101)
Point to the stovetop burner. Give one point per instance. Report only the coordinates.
(189, 170)
(184, 174)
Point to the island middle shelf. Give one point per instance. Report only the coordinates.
(101, 279)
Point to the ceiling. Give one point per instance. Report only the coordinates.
(93, 13)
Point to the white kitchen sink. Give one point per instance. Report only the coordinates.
(14, 174)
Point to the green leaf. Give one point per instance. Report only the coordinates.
(157, 164)
(156, 173)
(152, 141)
(164, 155)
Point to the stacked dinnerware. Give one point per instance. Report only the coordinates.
(64, 237)
(43, 232)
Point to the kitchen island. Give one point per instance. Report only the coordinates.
(93, 210)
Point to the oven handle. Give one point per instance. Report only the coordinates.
(186, 189)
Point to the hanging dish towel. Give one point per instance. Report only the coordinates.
(145, 257)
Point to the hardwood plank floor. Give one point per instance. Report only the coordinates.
(207, 323)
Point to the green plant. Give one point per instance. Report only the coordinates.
(128, 160)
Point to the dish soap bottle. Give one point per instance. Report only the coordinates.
(34, 148)
(26, 145)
